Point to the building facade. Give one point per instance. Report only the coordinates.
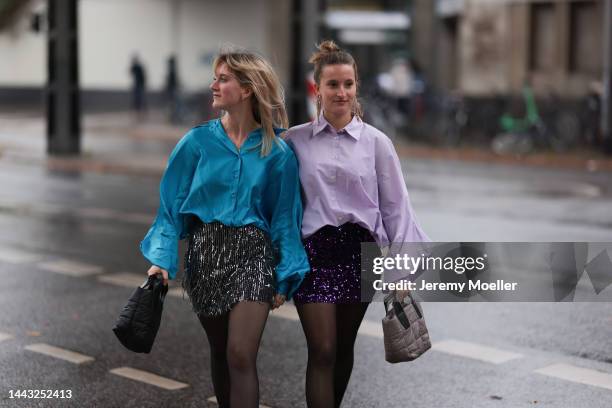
(112, 31)
(492, 47)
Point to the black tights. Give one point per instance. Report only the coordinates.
(330, 331)
(234, 341)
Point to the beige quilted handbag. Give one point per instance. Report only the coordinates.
(405, 333)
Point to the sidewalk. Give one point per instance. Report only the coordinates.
(577, 160)
(115, 143)
(110, 143)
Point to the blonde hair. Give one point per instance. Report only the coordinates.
(330, 54)
(268, 99)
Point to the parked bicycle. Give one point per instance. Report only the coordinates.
(452, 119)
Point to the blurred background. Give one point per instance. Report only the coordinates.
(512, 76)
(500, 114)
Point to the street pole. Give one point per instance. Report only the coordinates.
(62, 93)
(306, 29)
(606, 106)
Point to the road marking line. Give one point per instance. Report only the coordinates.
(578, 374)
(370, 328)
(109, 214)
(214, 401)
(60, 353)
(133, 280)
(129, 280)
(286, 311)
(71, 268)
(289, 311)
(475, 351)
(16, 256)
(94, 212)
(5, 336)
(148, 378)
(460, 348)
(136, 218)
(176, 292)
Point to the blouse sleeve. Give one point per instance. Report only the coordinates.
(160, 245)
(286, 226)
(398, 216)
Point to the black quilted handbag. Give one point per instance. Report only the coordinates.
(139, 320)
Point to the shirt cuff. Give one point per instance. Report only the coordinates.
(283, 288)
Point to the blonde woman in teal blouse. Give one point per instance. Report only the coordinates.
(232, 189)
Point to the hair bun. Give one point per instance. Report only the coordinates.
(325, 48)
(328, 46)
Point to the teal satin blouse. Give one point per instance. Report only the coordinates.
(207, 176)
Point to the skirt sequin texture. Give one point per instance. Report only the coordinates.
(225, 265)
(334, 254)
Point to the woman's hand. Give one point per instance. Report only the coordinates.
(155, 270)
(278, 301)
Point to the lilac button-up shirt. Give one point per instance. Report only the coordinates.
(353, 175)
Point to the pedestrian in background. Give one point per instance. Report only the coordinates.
(232, 189)
(139, 87)
(353, 192)
(172, 91)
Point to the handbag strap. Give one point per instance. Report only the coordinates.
(399, 309)
(416, 307)
(156, 284)
(160, 288)
(400, 314)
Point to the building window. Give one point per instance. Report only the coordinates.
(586, 48)
(542, 38)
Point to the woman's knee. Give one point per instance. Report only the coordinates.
(241, 357)
(322, 352)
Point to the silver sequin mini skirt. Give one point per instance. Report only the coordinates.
(225, 265)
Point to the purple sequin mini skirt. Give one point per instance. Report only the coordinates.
(334, 254)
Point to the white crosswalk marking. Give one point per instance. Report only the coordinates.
(214, 401)
(60, 353)
(578, 374)
(149, 378)
(5, 336)
(71, 268)
(16, 256)
(475, 351)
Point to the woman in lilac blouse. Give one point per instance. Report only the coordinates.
(353, 192)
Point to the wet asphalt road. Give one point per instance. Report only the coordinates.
(99, 219)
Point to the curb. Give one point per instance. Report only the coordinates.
(585, 160)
